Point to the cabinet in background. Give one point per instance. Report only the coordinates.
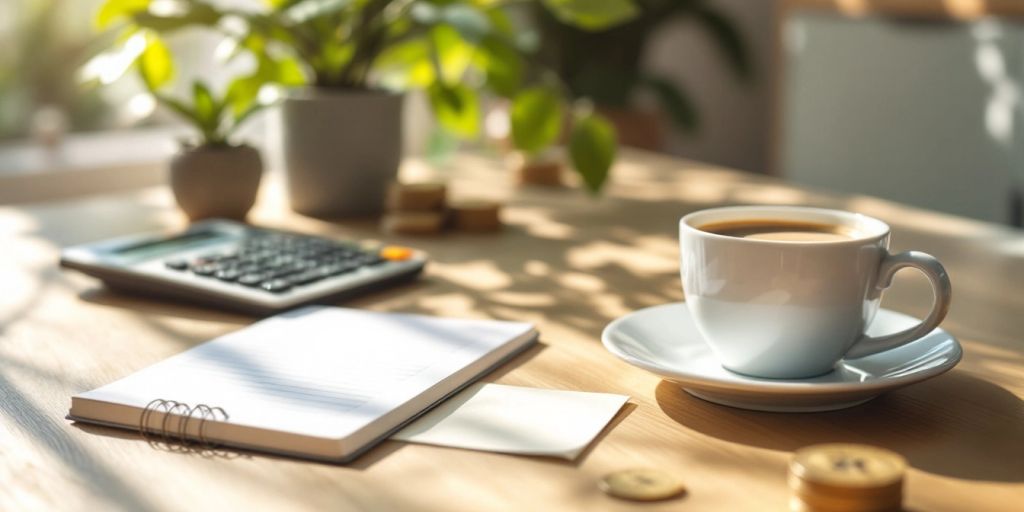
(921, 111)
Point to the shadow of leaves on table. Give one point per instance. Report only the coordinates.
(580, 262)
(955, 425)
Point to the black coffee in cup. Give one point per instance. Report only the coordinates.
(781, 230)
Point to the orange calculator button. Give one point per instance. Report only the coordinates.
(396, 253)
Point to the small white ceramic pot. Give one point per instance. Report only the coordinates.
(216, 181)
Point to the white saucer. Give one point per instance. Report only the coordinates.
(664, 340)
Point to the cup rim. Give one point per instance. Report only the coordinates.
(877, 228)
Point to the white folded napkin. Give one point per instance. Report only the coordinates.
(511, 419)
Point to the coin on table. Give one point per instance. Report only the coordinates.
(848, 467)
(642, 484)
(813, 493)
(414, 223)
(839, 503)
(476, 216)
(411, 197)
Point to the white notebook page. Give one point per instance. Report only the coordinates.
(319, 371)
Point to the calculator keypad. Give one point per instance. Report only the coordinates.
(278, 262)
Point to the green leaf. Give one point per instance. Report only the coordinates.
(281, 4)
(729, 39)
(454, 55)
(592, 149)
(501, 22)
(335, 55)
(674, 100)
(205, 106)
(592, 14)
(155, 64)
(457, 108)
(197, 14)
(242, 92)
(405, 64)
(288, 72)
(536, 118)
(179, 108)
(112, 10)
(503, 65)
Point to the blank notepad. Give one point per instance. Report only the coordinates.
(320, 382)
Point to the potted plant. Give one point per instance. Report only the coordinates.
(342, 133)
(606, 65)
(212, 175)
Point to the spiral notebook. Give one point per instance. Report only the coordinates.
(320, 382)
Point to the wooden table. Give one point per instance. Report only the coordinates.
(568, 262)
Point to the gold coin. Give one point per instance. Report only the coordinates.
(848, 466)
(476, 216)
(642, 484)
(416, 223)
(548, 174)
(413, 197)
(849, 502)
(798, 504)
(810, 490)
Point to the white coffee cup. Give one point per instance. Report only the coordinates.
(793, 309)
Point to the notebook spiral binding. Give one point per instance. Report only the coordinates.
(185, 414)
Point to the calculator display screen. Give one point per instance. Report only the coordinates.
(145, 250)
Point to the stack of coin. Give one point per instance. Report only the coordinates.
(476, 216)
(415, 208)
(846, 478)
(545, 173)
(417, 197)
(423, 208)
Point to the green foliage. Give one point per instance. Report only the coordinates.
(536, 117)
(503, 66)
(592, 149)
(155, 64)
(605, 65)
(451, 49)
(592, 14)
(215, 116)
(457, 108)
(113, 10)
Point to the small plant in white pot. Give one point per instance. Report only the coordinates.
(343, 130)
(212, 175)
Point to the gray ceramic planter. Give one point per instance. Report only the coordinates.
(341, 150)
(211, 181)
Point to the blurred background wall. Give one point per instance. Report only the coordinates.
(914, 101)
(735, 115)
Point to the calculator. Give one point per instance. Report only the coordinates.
(241, 267)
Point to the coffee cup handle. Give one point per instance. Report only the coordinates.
(941, 289)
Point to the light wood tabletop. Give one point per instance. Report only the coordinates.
(569, 263)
